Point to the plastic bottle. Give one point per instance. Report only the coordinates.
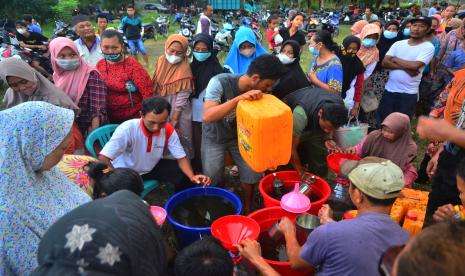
(306, 185)
(411, 223)
(278, 187)
(459, 215)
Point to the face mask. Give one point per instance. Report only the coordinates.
(68, 64)
(21, 31)
(173, 59)
(202, 56)
(406, 32)
(314, 51)
(390, 35)
(247, 52)
(448, 29)
(113, 57)
(285, 59)
(369, 42)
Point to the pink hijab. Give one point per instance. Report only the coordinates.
(72, 82)
(358, 26)
(439, 29)
(369, 55)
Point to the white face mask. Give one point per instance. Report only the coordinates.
(21, 31)
(173, 59)
(247, 52)
(285, 59)
(68, 64)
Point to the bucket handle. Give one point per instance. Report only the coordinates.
(350, 120)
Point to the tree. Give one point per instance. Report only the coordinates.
(64, 9)
(15, 9)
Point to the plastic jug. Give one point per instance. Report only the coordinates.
(264, 129)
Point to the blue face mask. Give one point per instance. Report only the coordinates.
(314, 51)
(369, 42)
(202, 56)
(390, 35)
(113, 57)
(406, 32)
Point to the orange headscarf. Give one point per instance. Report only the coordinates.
(358, 26)
(169, 79)
(369, 55)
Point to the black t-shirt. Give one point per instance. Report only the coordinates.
(33, 39)
(299, 36)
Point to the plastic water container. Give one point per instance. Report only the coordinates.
(266, 218)
(186, 235)
(264, 129)
(320, 189)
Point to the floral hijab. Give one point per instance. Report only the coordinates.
(31, 200)
(114, 235)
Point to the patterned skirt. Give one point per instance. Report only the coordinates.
(376, 83)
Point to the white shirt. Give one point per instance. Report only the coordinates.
(92, 56)
(399, 81)
(132, 146)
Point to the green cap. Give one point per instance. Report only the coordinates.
(374, 176)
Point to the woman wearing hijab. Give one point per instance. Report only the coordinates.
(33, 192)
(115, 235)
(244, 50)
(375, 84)
(295, 78)
(369, 53)
(204, 66)
(173, 80)
(81, 82)
(352, 69)
(26, 84)
(357, 27)
(127, 81)
(451, 40)
(393, 142)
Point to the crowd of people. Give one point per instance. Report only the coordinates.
(178, 126)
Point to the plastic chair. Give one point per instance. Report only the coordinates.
(102, 134)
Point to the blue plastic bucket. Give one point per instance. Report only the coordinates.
(186, 235)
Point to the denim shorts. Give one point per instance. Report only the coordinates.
(213, 155)
(135, 45)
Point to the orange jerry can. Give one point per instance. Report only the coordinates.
(264, 129)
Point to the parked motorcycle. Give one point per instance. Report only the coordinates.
(162, 24)
(64, 30)
(187, 29)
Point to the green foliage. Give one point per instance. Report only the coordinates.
(114, 5)
(65, 8)
(15, 9)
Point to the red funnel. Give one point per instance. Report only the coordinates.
(335, 160)
(233, 229)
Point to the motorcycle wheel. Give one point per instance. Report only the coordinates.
(259, 35)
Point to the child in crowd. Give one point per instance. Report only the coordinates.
(272, 33)
(106, 181)
(447, 211)
(393, 142)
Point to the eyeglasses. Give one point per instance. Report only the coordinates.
(388, 258)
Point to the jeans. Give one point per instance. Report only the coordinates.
(396, 102)
(134, 45)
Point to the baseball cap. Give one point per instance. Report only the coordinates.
(424, 19)
(374, 176)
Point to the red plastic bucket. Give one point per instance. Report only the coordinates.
(321, 189)
(266, 218)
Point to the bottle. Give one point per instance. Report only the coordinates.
(306, 184)
(459, 215)
(273, 231)
(278, 187)
(411, 223)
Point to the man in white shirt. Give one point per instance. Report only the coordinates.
(88, 44)
(406, 60)
(204, 24)
(139, 144)
(369, 15)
